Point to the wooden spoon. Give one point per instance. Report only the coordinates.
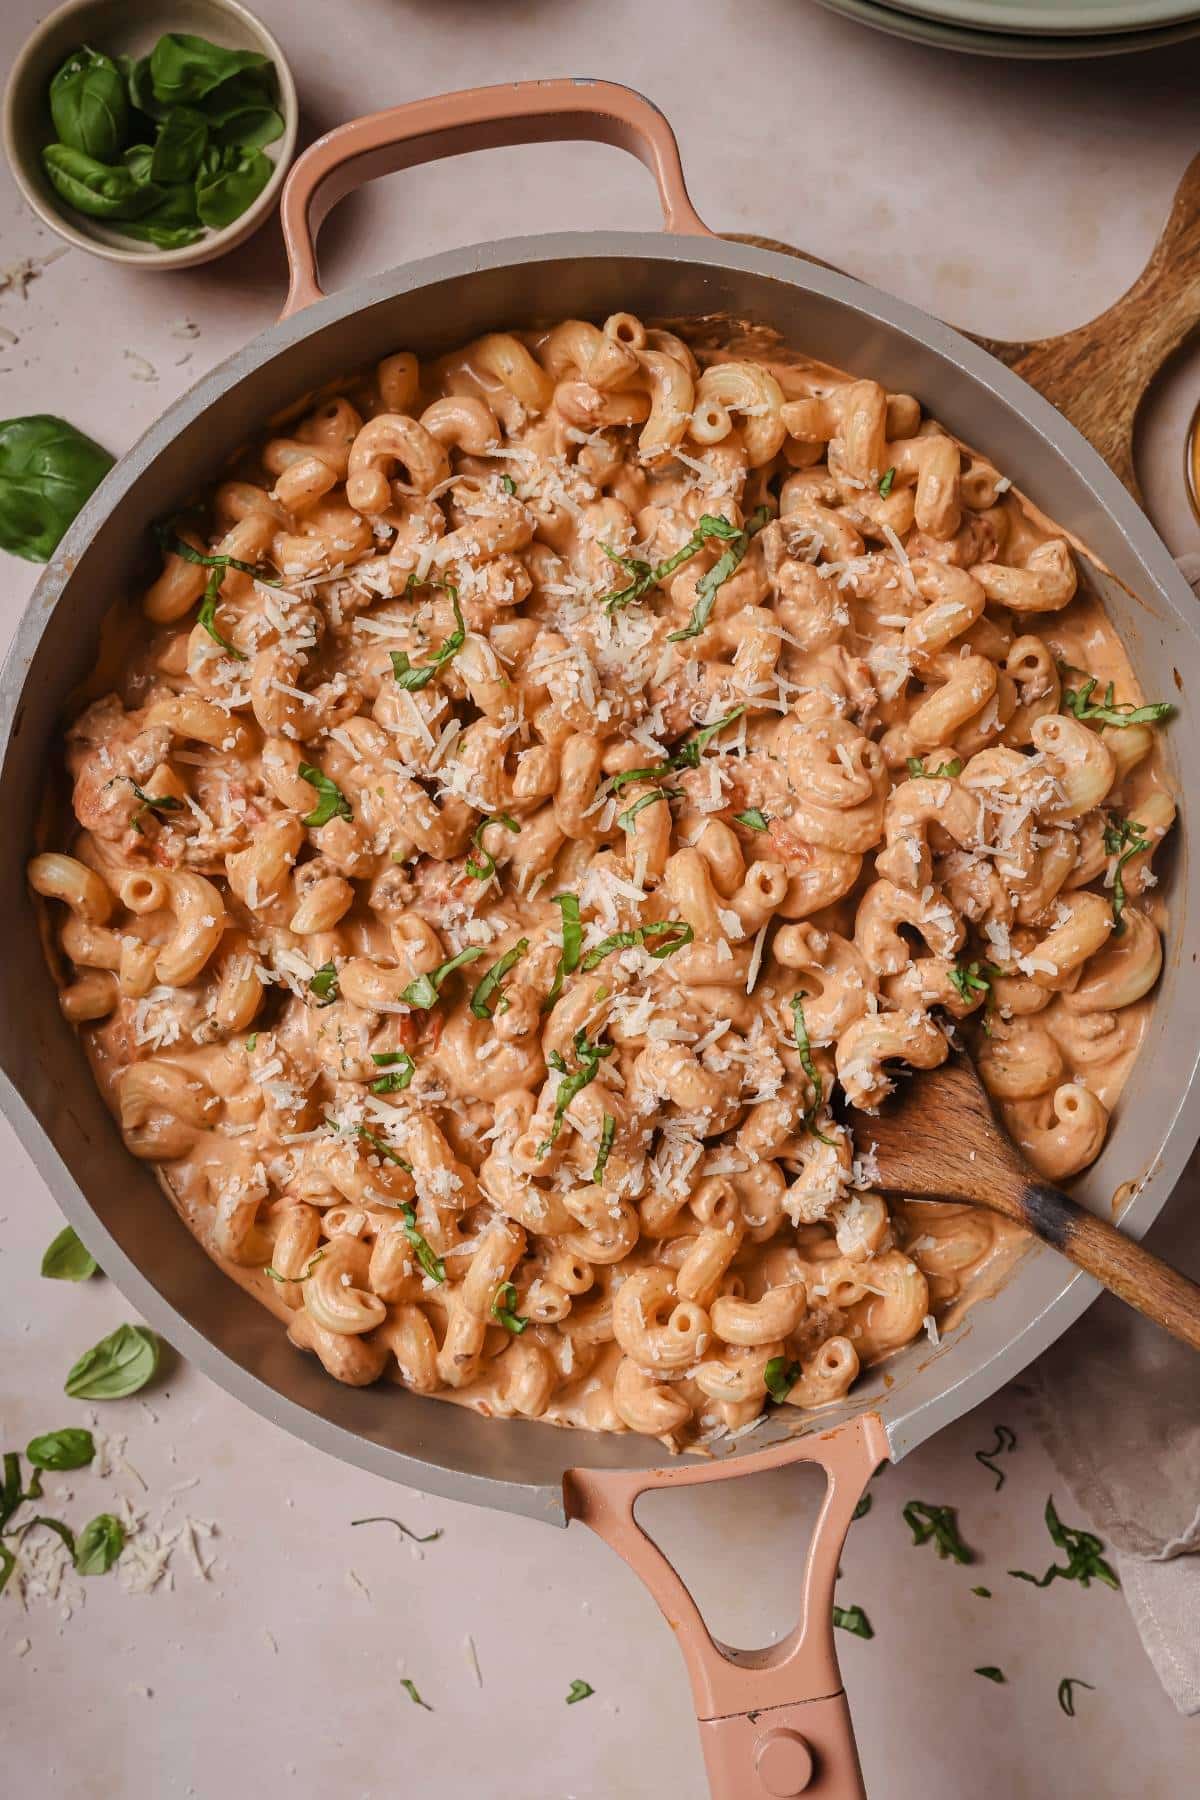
(937, 1138)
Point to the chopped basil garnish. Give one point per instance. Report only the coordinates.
(1066, 1694)
(1078, 701)
(411, 1690)
(303, 1275)
(151, 803)
(324, 984)
(972, 978)
(677, 931)
(983, 1592)
(401, 1069)
(686, 757)
(503, 1302)
(754, 819)
(116, 1367)
(508, 484)
(485, 868)
(572, 945)
(380, 1147)
(1084, 1560)
(918, 772)
(1123, 838)
(485, 993)
(433, 1265)
(804, 1048)
(170, 543)
(939, 1523)
(607, 1133)
(70, 1448)
(885, 483)
(625, 819)
(430, 1537)
(60, 1530)
(251, 1041)
(332, 804)
(863, 1507)
(781, 1377)
(67, 1258)
(413, 679)
(207, 616)
(991, 1673)
(423, 992)
(718, 575)
(580, 1690)
(1006, 1439)
(647, 575)
(100, 1544)
(854, 1619)
(588, 1057)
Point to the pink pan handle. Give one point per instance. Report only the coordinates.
(773, 1722)
(518, 112)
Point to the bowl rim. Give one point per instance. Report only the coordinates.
(188, 255)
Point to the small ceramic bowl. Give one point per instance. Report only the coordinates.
(118, 28)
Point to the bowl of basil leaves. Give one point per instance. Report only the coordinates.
(152, 135)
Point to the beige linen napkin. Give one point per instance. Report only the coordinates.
(1117, 1404)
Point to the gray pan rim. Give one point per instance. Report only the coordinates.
(1054, 1295)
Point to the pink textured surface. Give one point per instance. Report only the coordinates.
(1005, 207)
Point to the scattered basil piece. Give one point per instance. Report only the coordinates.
(229, 180)
(430, 1537)
(508, 484)
(414, 679)
(100, 1544)
(687, 756)
(8, 1563)
(572, 945)
(185, 69)
(56, 1526)
(303, 1275)
(608, 1132)
(1123, 839)
(324, 984)
(47, 471)
(1006, 1439)
(580, 1690)
(503, 1302)
(243, 111)
(485, 993)
(89, 105)
(433, 1265)
(918, 772)
(70, 1448)
(781, 1377)
(150, 803)
(625, 820)
(718, 575)
(984, 1593)
(380, 1147)
(485, 868)
(804, 1050)
(754, 819)
(991, 1674)
(972, 978)
(251, 1041)
(1078, 702)
(1084, 1560)
(171, 544)
(854, 1619)
(116, 1367)
(677, 932)
(332, 803)
(939, 1523)
(67, 1259)
(207, 615)
(885, 483)
(863, 1507)
(423, 992)
(401, 1069)
(98, 190)
(410, 1689)
(139, 89)
(179, 144)
(588, 1057)
(1066, 1693)
(645, 575)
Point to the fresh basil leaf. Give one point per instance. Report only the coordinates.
(754, 819)
(991, 1674)
(97, 189)
(67, 1259)
(625, 820)
(229, 181)
(645, 576)
(70, 1448)
(324, 984)
(503, 1302)
(179, 145)
(572, 945)
(485, 868)
(1084, 1561)
(430, 1537)
(718, 575)
(116, 1367)
(588, 1057)
(185, 68)
(139, 88)
(885, 483)
(401, 1069)
(481, 999)
(939, 1523)
(608, 1132)
(677, 932)
(1123, 713)
(48, 470)
(781, 1377)
(1006, 1439)
(854, 1619)
(413, 679)
(580, 1690)
(251, 128)
(423, 992)
(804, 1051)
(171, 544)
(332, 803)
(1066, 1692)
(411, 1690)
(100, 1544)
(432, 1264)
(55, 1525)
(243, 110)
(89, 105)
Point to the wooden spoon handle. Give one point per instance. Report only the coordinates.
(1135, 1275)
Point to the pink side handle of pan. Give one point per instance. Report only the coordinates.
(773, 1722)
(516, 112)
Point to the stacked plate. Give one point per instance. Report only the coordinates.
(1042, 29)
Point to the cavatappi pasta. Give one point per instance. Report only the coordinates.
(545, 779)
